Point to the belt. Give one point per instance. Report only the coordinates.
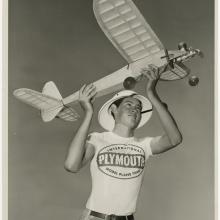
(111, 217)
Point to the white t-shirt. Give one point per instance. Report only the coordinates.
(117, 170)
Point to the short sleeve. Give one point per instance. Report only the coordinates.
(146, 143)
(92, 138)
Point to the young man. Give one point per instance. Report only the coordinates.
(117, 157)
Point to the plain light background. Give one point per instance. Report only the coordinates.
(61, 41)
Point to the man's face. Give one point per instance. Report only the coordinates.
(128, 112)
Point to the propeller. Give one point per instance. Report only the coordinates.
(200, 53)
(183, 47)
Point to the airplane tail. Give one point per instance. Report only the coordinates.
(49, 102)
(51, 90)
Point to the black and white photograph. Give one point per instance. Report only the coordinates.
(111, 110)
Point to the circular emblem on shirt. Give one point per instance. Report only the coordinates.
(123, 161)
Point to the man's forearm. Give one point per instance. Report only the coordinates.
(166, 119)
(77, 147)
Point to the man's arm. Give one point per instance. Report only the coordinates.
(79, 152)
(172, 136)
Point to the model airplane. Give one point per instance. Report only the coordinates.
(132, 36)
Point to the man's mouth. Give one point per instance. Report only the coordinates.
(133, 115)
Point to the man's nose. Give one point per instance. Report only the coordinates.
(133, 110)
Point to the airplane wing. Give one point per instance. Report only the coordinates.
(178, 72)
(126, 28)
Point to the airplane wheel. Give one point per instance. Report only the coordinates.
(193, 81)
(129, 83)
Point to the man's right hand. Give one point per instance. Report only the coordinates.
(87, 96)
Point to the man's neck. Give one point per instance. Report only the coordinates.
(123, 131)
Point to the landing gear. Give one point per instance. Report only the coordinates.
(129, 83)
(193, 81)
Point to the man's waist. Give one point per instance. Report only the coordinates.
(111, 216)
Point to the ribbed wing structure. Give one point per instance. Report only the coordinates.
(68, 114)
(126, 28)
(37, 99)
(50, 107)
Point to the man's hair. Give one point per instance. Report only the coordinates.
(117, 103)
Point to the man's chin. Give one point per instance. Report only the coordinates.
(133, 125)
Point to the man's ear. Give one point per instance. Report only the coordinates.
(113, 108)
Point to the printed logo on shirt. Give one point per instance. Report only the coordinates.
(122, 161)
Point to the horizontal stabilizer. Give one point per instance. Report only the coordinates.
(37, 99)
(68, 114)
(50, 114)
(49, 106)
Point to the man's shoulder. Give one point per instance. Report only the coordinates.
(98, 134)
(143, 139)
(95, 133)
